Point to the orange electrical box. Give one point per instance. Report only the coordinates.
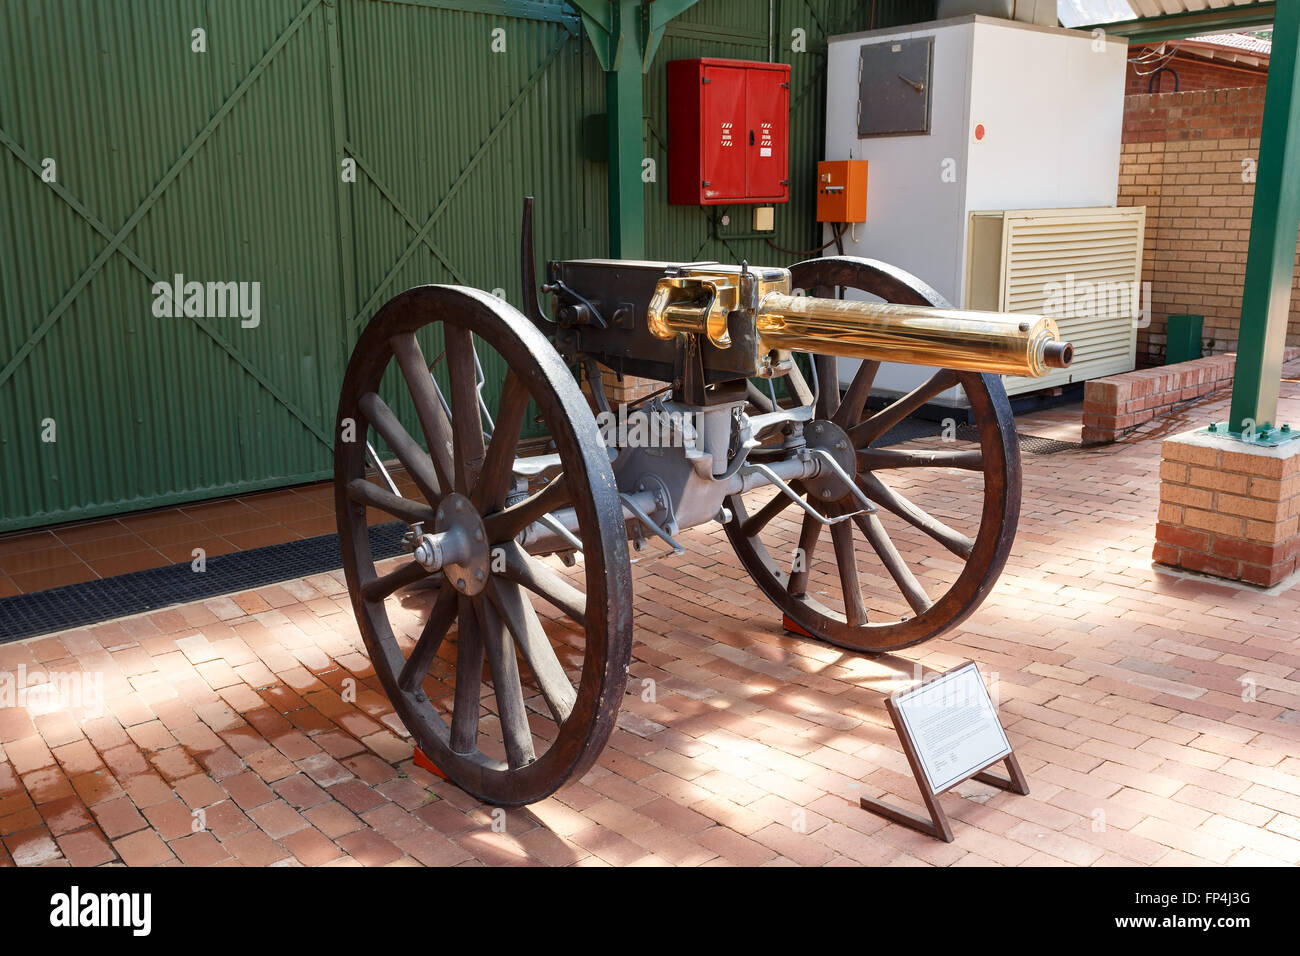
(842, 190)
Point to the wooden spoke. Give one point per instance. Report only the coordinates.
(504, 525)
(490, 493)
(798, 385)
(408, 509)
(808, 536)
(856, 395)
(885, 419)
(466, 425)
(441, 616)
(891, 500)
(469, 679)
(828, 385)
(883, 545)
(522, 621)
(761, 518)
(433, 417)
(523, 569)
(504, 665)
(408, 452)
(875, 459)
(376, 589)
(855, 610)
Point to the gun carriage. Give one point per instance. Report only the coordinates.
(519, 551)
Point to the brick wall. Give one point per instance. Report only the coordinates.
(1194, 73)
(1115, 405)
(1182, 157)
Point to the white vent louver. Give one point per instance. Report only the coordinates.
(1083, 267)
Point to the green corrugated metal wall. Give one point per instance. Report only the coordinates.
(225, 166)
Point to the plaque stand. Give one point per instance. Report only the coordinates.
(937, 826)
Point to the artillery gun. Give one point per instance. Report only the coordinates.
(519, 543)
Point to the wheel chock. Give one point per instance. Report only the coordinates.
(424, 763)
(789, 626)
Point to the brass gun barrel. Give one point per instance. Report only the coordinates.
(698, 300)
(1026, 345)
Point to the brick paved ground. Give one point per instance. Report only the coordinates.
(1120, 687)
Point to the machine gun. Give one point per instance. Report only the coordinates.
(523, 540)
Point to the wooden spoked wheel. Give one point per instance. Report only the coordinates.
(945, 507)
(556, 644)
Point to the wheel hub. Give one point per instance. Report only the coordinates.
(458, 547)
(826, 436)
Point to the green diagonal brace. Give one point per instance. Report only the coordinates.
(1274, 224)
(416, 228)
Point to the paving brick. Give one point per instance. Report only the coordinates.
(142, 848)
(199, 849)
(86, 847)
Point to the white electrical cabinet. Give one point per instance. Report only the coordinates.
(988, 116)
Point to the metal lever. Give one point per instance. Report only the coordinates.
(646, 520)
(852, 485)
(790, 493)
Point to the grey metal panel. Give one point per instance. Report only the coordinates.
(894, 80)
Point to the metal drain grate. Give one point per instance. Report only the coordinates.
(1032, 445)
(1029, 444)
(77, 605)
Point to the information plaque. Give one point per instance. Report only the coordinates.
(950, 732)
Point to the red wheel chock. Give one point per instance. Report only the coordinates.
(424, 763)
(789, 626)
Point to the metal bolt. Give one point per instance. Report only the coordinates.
(460, 584)
(826, 492)
(1286, 428)
(459, 505)
(1213, 427)
(841, 444)
(478, 535)
(478, 574)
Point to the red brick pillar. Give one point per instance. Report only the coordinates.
(1229, 508)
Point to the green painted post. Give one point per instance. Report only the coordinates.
(1274, 225)
(626, 109)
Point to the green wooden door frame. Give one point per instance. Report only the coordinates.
(625, 35)
(1274, 225)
